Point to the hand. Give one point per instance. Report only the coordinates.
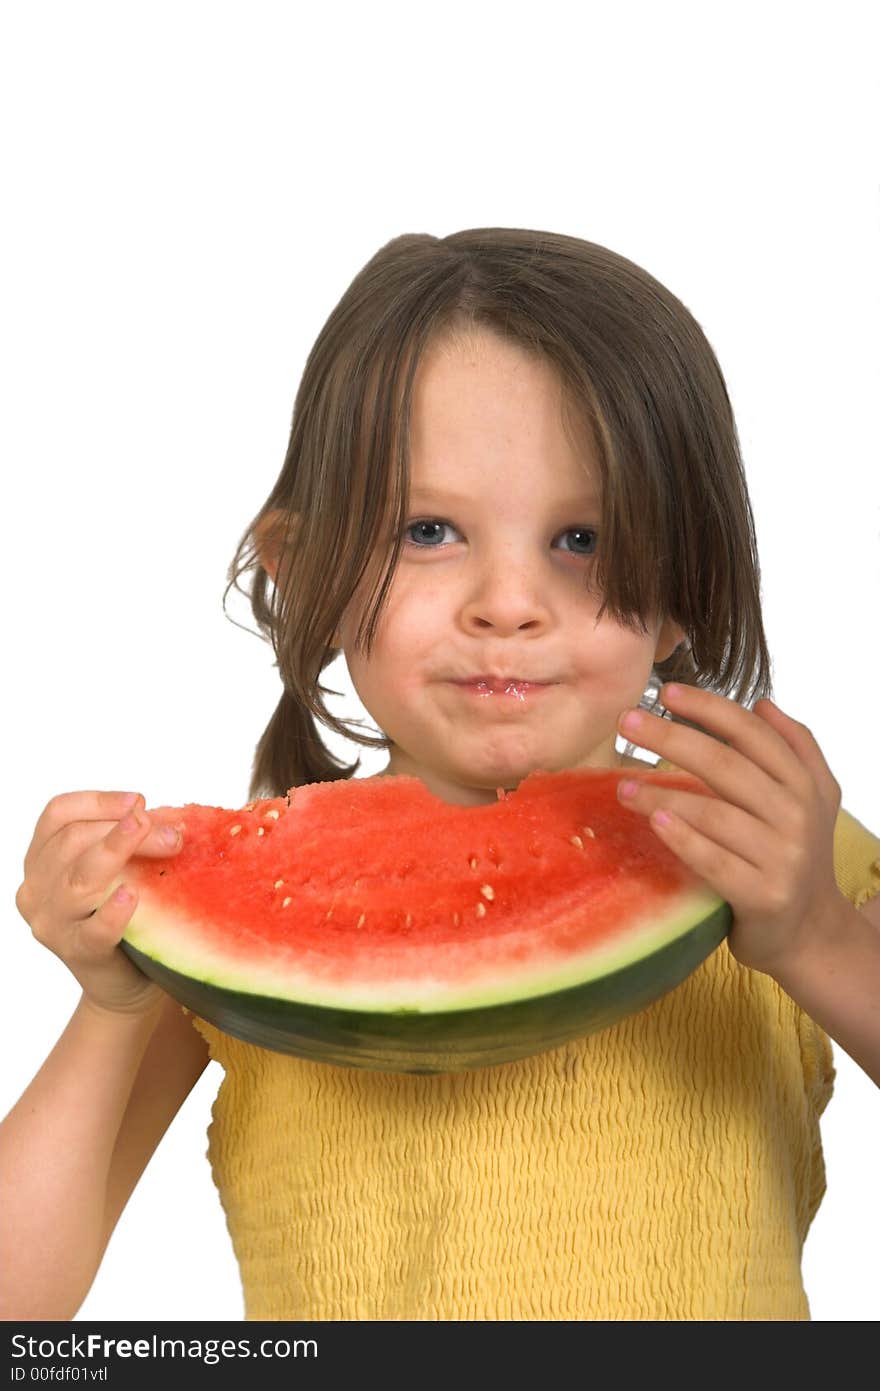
(80, 845)
(765, 841)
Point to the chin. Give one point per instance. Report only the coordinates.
(509, 773)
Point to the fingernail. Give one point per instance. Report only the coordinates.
(168, 835)
(628, 789)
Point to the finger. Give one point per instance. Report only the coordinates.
(726, 872)
(739, 838)
(753, 768)
(77, 806)
(84, 883)
(729, 775)
(102, 930)
(99, 931)
(72, 839)
(805, 746)
(759, 741)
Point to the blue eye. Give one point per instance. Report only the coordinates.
(429, 522)
(583, 531)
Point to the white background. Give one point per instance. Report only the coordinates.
(189, 189)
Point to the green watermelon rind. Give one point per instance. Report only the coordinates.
(174, 940)
(465, 1036)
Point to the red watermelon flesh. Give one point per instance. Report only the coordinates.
(375, 895)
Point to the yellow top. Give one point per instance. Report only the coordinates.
(666, 1168)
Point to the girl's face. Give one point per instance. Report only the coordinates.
(492, 578)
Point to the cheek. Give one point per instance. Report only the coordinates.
(610, 652)
(404, 643)
(613, 665)
(412, 620)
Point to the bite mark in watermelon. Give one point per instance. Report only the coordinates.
(367, 923)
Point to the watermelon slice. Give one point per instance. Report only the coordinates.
(368, 923)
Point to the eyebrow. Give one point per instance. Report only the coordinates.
(439, 495)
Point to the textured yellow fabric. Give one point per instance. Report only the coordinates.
(666, 1168)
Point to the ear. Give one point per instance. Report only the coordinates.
(669, 637)
(269, 533)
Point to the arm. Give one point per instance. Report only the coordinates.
(836, 981)
(75, 1143)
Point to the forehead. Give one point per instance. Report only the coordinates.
(488, 413)
(425, 492)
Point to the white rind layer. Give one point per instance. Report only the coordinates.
(178, 943)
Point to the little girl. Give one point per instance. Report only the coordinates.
(512, 455)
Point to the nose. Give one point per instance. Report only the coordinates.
(507, 598)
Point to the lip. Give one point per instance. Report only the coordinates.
(502, 685)
(491, 677)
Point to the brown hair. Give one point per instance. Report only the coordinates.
(677, 537)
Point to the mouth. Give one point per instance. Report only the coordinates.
(518, 686)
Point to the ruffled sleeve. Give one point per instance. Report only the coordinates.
(856, 859)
